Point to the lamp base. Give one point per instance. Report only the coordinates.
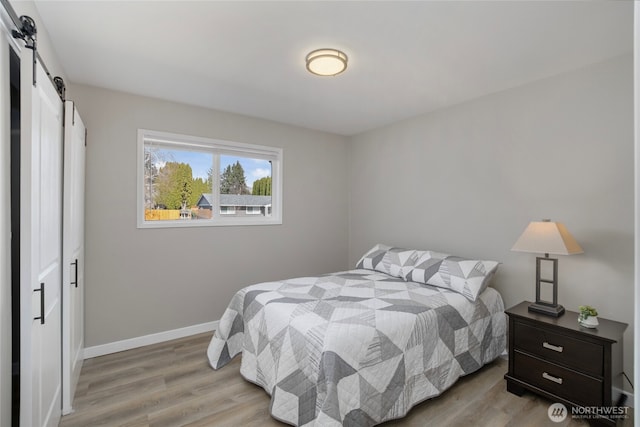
(553, 310)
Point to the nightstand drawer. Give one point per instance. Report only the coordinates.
(565, 383)
(573, 353)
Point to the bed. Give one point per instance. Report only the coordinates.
(359, 347)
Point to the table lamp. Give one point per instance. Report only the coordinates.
(547, 237)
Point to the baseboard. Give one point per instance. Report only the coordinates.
(128, 344)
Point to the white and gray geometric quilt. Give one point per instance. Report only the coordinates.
(355, 348)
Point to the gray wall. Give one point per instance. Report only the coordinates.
(144, 281)
(467, 180)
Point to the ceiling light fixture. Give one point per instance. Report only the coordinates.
(326, 62)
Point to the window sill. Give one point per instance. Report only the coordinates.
(223, 222)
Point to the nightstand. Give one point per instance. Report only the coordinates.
(563, 361)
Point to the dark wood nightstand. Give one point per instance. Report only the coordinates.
(563, 361)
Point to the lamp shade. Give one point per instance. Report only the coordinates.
(547, 237)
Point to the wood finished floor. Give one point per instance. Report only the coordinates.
(171, 385)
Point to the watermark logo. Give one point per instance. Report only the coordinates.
(594, 412)
(557, 412)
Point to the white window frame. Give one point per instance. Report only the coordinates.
(216, 147)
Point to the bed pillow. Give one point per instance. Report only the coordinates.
(468, 277)
(387, 259)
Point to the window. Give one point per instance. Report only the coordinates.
(227, 210)
(186, 181)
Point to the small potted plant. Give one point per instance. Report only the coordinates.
(588, 316)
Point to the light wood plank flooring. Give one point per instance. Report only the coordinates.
(171, 385)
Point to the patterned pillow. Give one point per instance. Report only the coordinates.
(387, 259)
(466, 276)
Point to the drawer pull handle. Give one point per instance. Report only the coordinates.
(551, 378)
(557, 348)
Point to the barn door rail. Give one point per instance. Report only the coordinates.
(25, 29)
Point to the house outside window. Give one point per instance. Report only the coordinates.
(186, 181)
(238, 205)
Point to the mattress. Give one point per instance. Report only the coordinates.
(355, 348)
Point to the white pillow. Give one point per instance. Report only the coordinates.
(466, 276)
(387, 259)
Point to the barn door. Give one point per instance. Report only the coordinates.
(41, 247)
(72, 254)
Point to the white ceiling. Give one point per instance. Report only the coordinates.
(405, 58)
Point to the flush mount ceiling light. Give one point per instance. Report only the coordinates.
(326, 62)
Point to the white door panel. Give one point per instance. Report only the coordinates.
(73, 255)
(41, 248)
(50, 179)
